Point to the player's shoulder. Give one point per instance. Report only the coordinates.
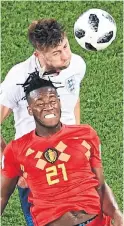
(19, 72)
(21, 65)
(78, 59)
(22, 141)
(15, 147)
(82, 130)
(78, 66)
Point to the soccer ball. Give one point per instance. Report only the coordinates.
(95, 30)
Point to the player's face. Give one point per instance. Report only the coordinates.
(44, 105)
(57, 58)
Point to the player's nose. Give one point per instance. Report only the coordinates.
(48, 106)
(65, 55)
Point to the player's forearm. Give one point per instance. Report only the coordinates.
(7, 188)
(77, 112)
(3, 204)
(108, 202)
(2, 144)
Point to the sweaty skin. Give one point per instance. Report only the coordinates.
(71, 218)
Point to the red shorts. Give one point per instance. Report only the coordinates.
(101, 220)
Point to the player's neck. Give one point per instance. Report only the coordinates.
(42, 131)
(46, 68)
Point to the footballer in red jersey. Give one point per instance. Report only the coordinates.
(56, 161)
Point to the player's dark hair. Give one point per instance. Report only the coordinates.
(45, 33)
(34, 82)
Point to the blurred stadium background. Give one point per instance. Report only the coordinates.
(101, 89)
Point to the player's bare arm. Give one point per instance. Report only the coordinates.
(5, 112)
(108, 202)
(2, 144)
(7, 188)
(77, 112)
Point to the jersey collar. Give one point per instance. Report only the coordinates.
(54, 136)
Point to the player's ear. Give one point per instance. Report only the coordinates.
(40, 57)
(59, 101)
(29, 110)
(36, 52)
(39, 54)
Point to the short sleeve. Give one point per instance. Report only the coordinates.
(82, 66)
(10, 168)
(95, 155)
(9, 90)
(7, 97)
(80, 75)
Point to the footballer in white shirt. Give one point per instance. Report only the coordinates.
(55, 61)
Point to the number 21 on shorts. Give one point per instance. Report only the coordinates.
(53, 171)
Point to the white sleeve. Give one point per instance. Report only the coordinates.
(82, 67)
(9, 91)
(80, 75)
(8, 97)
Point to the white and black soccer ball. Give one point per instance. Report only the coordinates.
(95, 29)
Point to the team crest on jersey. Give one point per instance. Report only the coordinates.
(51, 155)
(70, 84)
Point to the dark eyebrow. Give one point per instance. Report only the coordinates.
(39, 99)
(59, 50)
(56, 51)
(52, 94)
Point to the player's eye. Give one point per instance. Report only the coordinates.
(53, 101)
(65, 46)
(55, 54)
(39, 104)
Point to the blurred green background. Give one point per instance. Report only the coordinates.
(101, 89)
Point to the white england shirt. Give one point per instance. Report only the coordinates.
(11, 94)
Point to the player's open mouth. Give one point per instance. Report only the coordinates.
(50, 116)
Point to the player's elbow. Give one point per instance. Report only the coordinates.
(2, 143)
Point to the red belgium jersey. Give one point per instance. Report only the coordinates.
(57, 170)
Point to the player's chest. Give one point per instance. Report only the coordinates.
(55, 158)
(67, 82)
